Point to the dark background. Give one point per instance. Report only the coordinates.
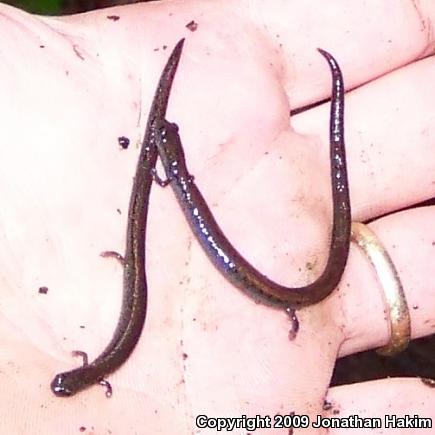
(60, 7)
(417, 360)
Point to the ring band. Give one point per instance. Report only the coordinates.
(400, 322)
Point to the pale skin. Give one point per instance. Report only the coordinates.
(206, 348)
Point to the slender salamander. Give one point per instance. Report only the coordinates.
(219, 249)
(134, 303)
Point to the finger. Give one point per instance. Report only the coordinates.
(390, 132)
(366, 44)
(409, 239)
(388, 400)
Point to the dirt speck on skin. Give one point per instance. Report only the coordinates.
(43, 290)
(327, 405)
(309, 266)
(113, 17)
(192, 25)
(124, 142)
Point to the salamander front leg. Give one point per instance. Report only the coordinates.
(103, 382)
(160, 181)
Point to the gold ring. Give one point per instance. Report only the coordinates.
(400, 322)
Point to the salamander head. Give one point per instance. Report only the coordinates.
(169, 144)
(60, 385)
(69, 383)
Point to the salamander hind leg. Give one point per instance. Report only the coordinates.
(294, 328)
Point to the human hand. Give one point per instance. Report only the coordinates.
(203, 350)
